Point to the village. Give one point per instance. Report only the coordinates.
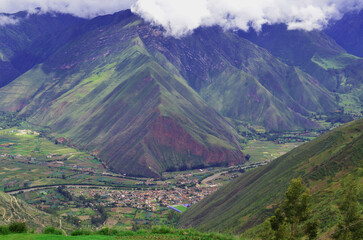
(149, 200)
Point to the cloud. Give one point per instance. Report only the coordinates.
(80, 8)
(180, 17)
(5, 20)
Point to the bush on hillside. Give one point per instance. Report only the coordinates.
(17, 227)
(80, 232)
(52, 230)
(108, 232)
(4, 230)
(161, 230)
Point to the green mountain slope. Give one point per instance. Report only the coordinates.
(12, 210)
(348, 32)
(104, 92)
(266, 91)
(26, 43)
(242, 80)
(323, 164)
(319, 55)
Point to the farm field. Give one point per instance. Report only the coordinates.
(266, 150)
(28, 160)
(77, 187)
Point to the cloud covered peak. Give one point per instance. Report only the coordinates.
(181, 17)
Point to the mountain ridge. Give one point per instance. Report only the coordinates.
(322, 164)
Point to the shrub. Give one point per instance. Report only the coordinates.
(107, 231)
(52, 230)
(17, 227)
(161, 230)
(4, 230)
(79, 232)
(127, 233)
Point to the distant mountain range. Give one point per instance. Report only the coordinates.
(145, 103)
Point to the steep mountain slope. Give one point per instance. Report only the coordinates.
(26, 43)
(242, 80)
(13, 209)
(106, 93)
(320, 56)
(323, 164)
(348, 32)
(314, 52)
(211, 60)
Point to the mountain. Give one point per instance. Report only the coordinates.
(319, 55)
(212, 61)
(324, 164)
(106, 93)
(243, 81)
(13, 209)
(314, 52)
(348, 32)
(26, 43)
(144, 102)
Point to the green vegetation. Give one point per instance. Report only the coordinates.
(99, 100)
(28, 159)
(293, 213)
(15, 212)
(350, 225)
(157, 232)
(323, 164)
(9, 120)
(266, 150)
(52, 230)
(339, 61)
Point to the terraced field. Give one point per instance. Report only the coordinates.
(27, 160)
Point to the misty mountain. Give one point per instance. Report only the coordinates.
(144, 102)
(30, 41)
(348, 32)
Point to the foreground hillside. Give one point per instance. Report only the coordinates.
(157, 232)
(13, 209)
(324, 164)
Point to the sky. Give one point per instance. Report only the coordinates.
(181, 17)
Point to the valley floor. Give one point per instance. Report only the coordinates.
(76, 186)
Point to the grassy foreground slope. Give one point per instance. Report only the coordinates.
(13, 209)
(324, 164)
(157, 233)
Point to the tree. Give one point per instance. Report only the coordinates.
(296, 205)
(294, 211)
(350, 225)
(311, 229)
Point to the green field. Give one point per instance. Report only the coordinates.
(267, 150)
(182, 208)
(157, 232)
(27, 159)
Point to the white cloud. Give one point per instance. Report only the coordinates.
(180, 17)
(4, 20)
(80, 8)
